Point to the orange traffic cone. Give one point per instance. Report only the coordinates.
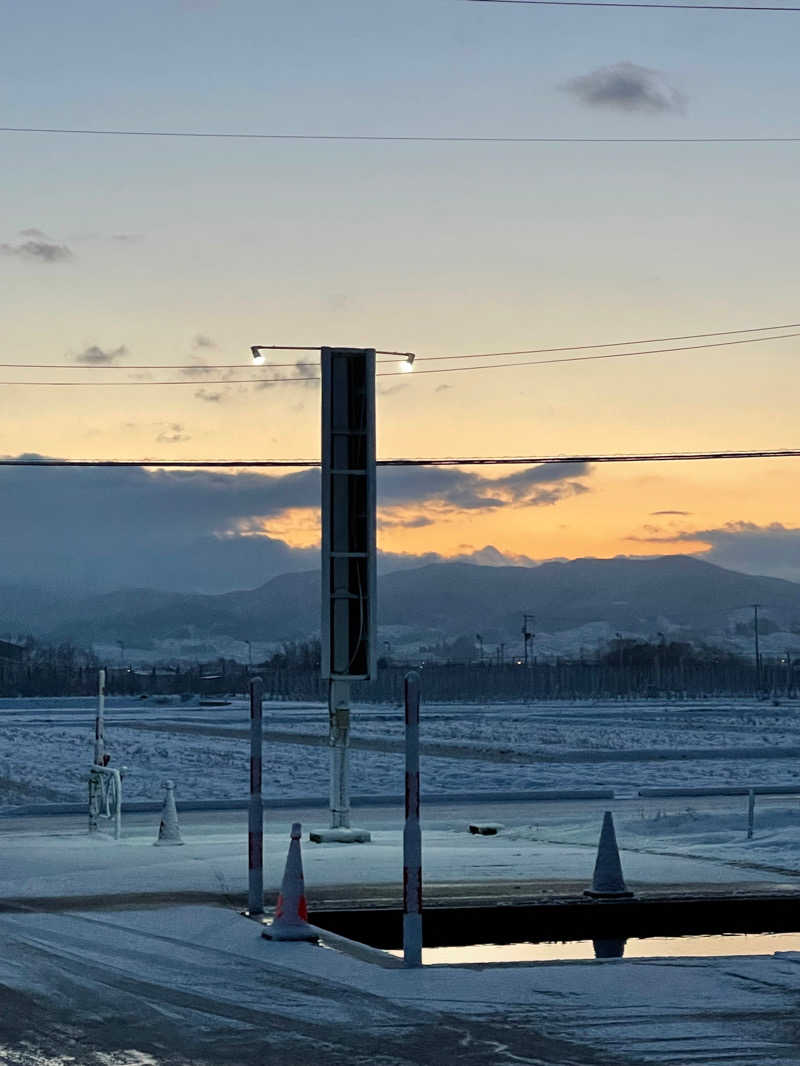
(608, 882)
(291, 913)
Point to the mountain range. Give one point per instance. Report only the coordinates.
(444, 600)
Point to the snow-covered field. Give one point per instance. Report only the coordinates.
(173, 986)
(46, 745)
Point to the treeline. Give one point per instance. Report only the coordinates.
(625, 669)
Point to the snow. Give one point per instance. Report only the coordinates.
(155, 971)
(555, 744)
(203, 981)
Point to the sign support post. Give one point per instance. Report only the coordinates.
(412, 834)
(348, 554)
(255, 813)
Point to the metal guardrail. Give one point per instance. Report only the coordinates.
(291, 802)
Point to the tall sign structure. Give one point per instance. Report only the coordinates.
(348, 548)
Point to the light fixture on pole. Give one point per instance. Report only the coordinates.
(257, 350)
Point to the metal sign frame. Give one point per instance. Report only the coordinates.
(348, 630)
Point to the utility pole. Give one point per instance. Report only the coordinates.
(527, 635)
(758, 655)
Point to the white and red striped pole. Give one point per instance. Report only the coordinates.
(255, 815)
(99, 725)
(412, 834)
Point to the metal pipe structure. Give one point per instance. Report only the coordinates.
(99, 725)
(255, 811)
(339, 740)
(412, 834)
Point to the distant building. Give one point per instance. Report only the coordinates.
(12, 663)
(11, 653)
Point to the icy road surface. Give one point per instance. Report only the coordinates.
(200, 986)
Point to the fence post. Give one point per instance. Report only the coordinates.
(412, 836)
(255, 813)
(99, 724)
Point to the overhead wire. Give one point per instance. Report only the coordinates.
(626, 3)
(197, 383)
(199, 368)
(398, 138)
(445, 461)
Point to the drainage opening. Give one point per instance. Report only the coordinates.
(584, 929)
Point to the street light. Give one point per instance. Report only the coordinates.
(256, 351)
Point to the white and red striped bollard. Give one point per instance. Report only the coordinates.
(255, 813)
(412, 834)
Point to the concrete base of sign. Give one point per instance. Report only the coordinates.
(340, 836)
(486, 829)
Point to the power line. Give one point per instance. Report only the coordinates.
(401, 138)
(202, 367)
(613, 3)
(608, 344)
(401, 373)
(593, 358)
(507, 460)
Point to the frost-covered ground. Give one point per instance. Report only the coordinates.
(45, 747)
(199, 985)
(173, 986)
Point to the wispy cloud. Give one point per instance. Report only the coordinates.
(682, 513)
(96, 356)
(173, 433)
(201, 340)
(306, 373)
(38, 250)
(627, 87)
(208, 396)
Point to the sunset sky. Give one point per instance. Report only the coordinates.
(124, 251)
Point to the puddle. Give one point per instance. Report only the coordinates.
(632, 948)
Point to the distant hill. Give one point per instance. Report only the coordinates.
(633, 595)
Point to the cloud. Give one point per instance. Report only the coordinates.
(418, 521)
(304, 372)
(685, 513)
(203, 341)
(126, 238)
(442, 388)
(148, 528)
(199, 370)
(772, 550)
(96, 356)
(196, 530)
(208, 396)
(626, 87)
(458, 489)
(33, 232)
(486, 556)
(39, 250)
(173, 433)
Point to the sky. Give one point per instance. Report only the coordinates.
(120, 252)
